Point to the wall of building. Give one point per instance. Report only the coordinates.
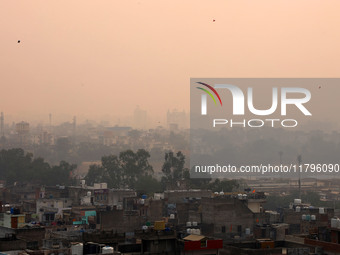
(178, 196)
(188, 212)
(11, 245)
(118, 221)
(52, 205)
(155, 210)
(8, 220)
(297, 225)
(226, 216)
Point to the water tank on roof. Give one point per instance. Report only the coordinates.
(188, 230)
(188, 224)
(221, 193)
(142, 201)
(334, 222)
(195, 231)
(194, 223)
(172, 216)
(107, 250)
(144, 196)
(244, 196)
(216, 193)
(308, 217)
(321, 210)
(303, 216)
(89, 193)
(77, 249)
(239, 196)
(313, 217)
(247, 231)
(297, 201)
(145, 227)
(298, 209)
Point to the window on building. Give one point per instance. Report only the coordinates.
(203, 243)
(239, 228)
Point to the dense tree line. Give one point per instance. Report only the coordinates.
(18, 166)
(132, 170)
(127, 170)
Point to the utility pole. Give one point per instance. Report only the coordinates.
(2, 120)
(280, 155)
(299, 159)
(50, 122)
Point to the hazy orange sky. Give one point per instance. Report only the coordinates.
(97, 59)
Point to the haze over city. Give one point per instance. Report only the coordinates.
(169, 127)
(100, 60)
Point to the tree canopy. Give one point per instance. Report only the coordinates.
(123, 171)
(18, 166)
(173, 169)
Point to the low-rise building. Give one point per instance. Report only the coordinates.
(229, 216)
(49, 210)
(199, 245)
(11, 220)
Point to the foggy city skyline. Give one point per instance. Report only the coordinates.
(97, 63)
(108, 120)
(169, 127)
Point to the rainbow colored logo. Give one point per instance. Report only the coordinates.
(209, 93)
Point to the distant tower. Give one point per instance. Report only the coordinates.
(2, 130)
(176, 119)
(23, 129)
(50, 122)
(140, 118)
(74, 128)
(299, 159)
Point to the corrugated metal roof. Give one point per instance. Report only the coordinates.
(194, 238)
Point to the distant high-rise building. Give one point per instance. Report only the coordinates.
(74, 129)
(176, 119)
(50, 122)
(140, 118)
(2, 123)
(23, 128)
(2, 130)
(45, 138)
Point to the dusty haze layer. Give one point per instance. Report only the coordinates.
(97, 59)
